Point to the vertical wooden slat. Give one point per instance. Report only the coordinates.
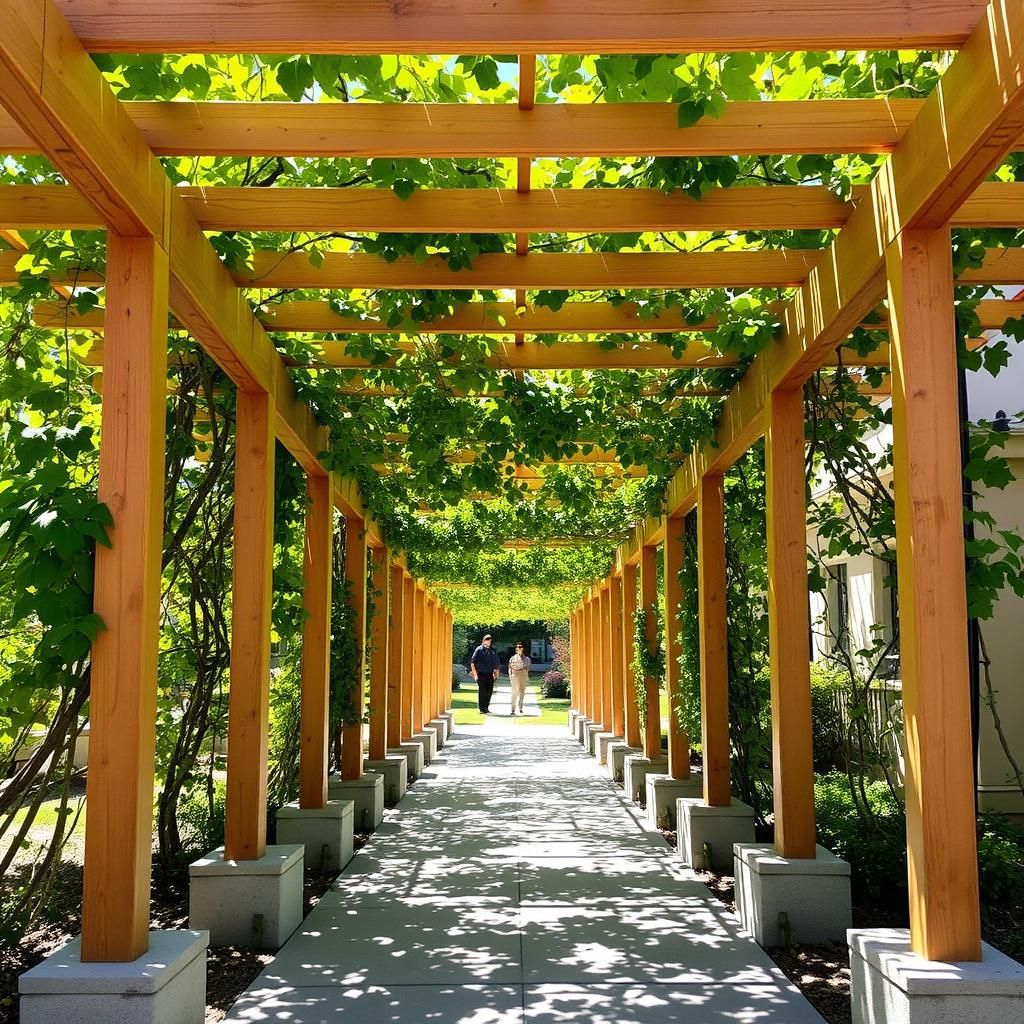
(714, 663)
(396, 656)
(788, 624)
(941, 841)
(678, 740)
(634, 733)
(355, 574)
(617, 666)
(316, 643)
(381, 568)
(419, 604)
(593, 695)
(245, 826)
(430, 617)
(574, 693)
(118, 836)
(604, 604)
(408, 657)
(649, 603)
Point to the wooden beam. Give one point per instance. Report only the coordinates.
(471, 130)
(649, 606)
(788, 624)
(714, 641)
(355, 575)
(634, 736)
(245, 826)
(941, 839)
(678, 740)
(517, 26)
(316, 642)
(119, 830)
(396, 657)
(381, 569)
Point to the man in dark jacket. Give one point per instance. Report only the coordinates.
(485, 667)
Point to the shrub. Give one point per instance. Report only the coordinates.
(1000, 860)
(828, 728)
(554, 684)
(202, 825)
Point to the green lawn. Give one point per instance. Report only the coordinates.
(552, 711)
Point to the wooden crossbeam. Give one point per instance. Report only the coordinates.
(467, 130)
(517, 26)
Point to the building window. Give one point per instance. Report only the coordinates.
(838, 607)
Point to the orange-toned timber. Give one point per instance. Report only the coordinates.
(678, 740)
(617, 668)
(381, 568)
(649, 606)
(355, 575)
(634, 735)
(396, 656)
(408, 726)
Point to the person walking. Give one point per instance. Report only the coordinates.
(519, 675)
(485, 666)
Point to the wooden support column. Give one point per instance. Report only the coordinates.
(788, 624)
(714, 653)
(119, 830)
(419, 617)
(245, 823)
(604, 606)
(678, 740)
(634, 733)
(617, 663)
(316, 643)
(396, 657)
(582, 641)
(378, 747)
(408, 657)
(574, 690)
(649, 604)
(593, 667)
(941, 840)
(355, 574)
(429, 616)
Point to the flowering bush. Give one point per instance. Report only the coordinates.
(554, 684)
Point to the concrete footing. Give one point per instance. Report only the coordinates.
(635, 769)
(596, 736)
(580, 729)
(891, 984)
(661, 794)
(440, 726)
(604, 741)
(785, 900)
(395, 770)
(367, 793)
(449, 716)
(616, 760)
(324, 832)
(705, 835)
(166, 985)
(254, 903)
(590, 730)
(413, 754)
(428, 740)
(573, 715)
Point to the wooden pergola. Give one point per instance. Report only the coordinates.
(892, 244)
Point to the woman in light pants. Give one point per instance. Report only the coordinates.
(518, 674)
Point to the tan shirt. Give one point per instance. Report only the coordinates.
(519, 663)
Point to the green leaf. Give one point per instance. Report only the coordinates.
(689, 113)
(295, 77)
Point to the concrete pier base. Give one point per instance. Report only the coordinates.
(661, 794)
(596, 736)
(571, 721)
(616, 761)
(580, 729)
(705, 835)
(254, 903)
(367, 793)
(395, 770)
(604, 741)
(324, 832)
(166, 985)
(891, 984)
(590, 730)
(428, 740)
(413, 754)
(635, 769)
(440, 726)
(785, 900)
(449, 717)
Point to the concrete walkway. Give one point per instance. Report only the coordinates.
(513, 885)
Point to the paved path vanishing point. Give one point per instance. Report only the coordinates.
(514, 885)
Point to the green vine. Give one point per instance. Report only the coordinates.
(648, 662)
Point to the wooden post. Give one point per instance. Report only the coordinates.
(941, 840)
(316, 643)
(419, 602)
(788, 624)
(355, 574)
(119, 830)
(714, 655)
(605, 639)
(593, 693)
(408, 656)
(678, 740)
(378, 747)
(649, 603)
(396, 654)
(430, 615)
(634, 735)
(617, 666)
(574, 692)
(245, 823)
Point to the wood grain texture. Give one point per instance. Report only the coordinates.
(634, 734)
(245, 826)
(408, 656)
(518, 26)
(355, 575)
(941, 840)
(379, 671)
(789, 624)
(316, 642)
(605, 648)
(714, 641)
(396, 657)
(617, 661)
(119, 830)
(418, 642)
(678, 740)
(651, 724)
